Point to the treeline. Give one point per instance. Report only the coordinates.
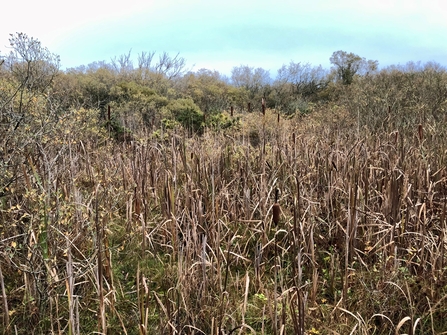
(159, 91)
(155, 92)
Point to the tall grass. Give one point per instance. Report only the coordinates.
(178, 234)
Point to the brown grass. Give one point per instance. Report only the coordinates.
(183, 235)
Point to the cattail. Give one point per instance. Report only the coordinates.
(420, 132)
(335, 166)
(276, 209)
(231, 110)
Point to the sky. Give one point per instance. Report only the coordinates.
(219, 35)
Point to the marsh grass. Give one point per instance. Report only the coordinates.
(182, 235)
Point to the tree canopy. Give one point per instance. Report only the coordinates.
(347, 65)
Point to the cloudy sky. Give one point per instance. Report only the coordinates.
(218, 34)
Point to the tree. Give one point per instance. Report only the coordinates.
(26, 112)
(136, 105)
(302, 80)
(188, 114)
(208, 90)
(30, 71)
(32, 68)
(250, 78)
(145, 60)
(171, 67)
(123, 64)
(255, 81)
(347, 65)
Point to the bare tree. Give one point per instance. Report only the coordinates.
(145, 60)
(123, 64)
(250, 78)
(171, 67)
(302, 79)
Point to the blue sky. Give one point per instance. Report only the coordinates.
(219, 35)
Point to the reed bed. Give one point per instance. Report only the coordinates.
(180, 234)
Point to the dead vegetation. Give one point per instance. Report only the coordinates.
(177, 235)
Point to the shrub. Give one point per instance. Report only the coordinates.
(188, 114)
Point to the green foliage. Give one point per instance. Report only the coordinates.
(134, 104)
(169, 124)
(396, 99)
(95, 86)
(131, 91)
(219, 121)
(347, 65)
(118, 131)
(208, 90)
(188, 114)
